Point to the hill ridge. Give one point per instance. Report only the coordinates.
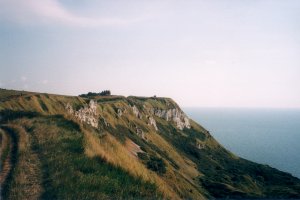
(149, 141)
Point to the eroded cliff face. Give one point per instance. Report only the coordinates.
(152, 122)
(176, 115)
(136, 112)
(89, 115)
(155, 131)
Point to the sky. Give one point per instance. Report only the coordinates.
(212, 53)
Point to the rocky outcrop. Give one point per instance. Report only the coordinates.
(87, 115)
(175, 115)
(136, 112)
(152, 122)
(120, 113)
(133, 148)
(69, 109)
(140, 133)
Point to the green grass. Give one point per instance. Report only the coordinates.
(14, 161)
(8, 115)
(5, 152)
(70, 174)
(110, 99)
(67, 173)
(6, 95)
(43, 105)
(156, 164)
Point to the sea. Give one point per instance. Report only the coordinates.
(266, 136)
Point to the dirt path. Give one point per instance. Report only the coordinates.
(6, 156)
(21, 175)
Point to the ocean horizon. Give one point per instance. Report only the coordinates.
(265, 135)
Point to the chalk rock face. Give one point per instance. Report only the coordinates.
(69, 109)
(87, 115)
(136, 112)
(175, 115)
(120, 113)
(93, 107)
(140, 133)
(153, 123)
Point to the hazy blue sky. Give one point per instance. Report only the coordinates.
(236, 53)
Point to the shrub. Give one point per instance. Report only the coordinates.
(93, 94)
(105, 93)
(156, 164)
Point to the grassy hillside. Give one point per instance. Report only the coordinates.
(49, 151)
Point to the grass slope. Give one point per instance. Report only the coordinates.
(57, 167)
(67, 159)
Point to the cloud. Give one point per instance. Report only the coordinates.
(45, 82)
(51, 11)
(23, 78)
(210, 62)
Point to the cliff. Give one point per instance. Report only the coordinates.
(121, 147)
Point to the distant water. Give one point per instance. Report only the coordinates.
(266, 136)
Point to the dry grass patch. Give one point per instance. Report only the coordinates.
(111, 150)
(185, 164)
(183, 179)
(27, 177)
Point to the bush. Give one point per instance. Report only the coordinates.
(93, 94)
(105, 93)
(143, 156)
(156, 164)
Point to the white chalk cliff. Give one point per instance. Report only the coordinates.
(175, 115)
(87, 115)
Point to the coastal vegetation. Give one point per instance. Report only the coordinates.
(136, 151)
